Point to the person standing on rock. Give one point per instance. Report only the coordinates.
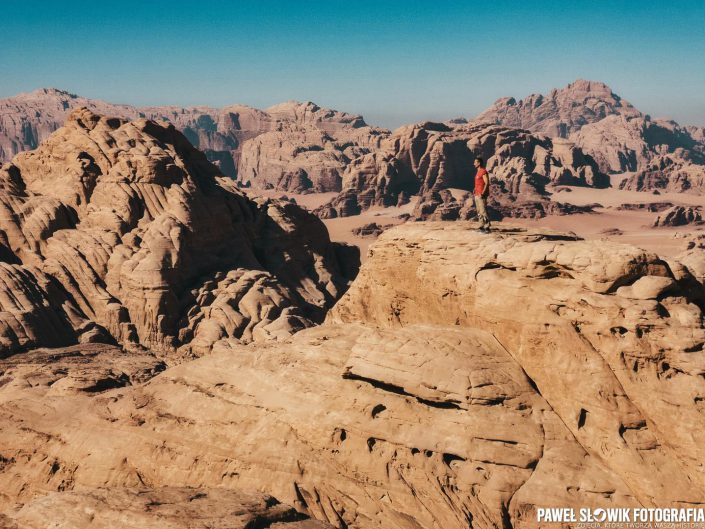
(481, 192)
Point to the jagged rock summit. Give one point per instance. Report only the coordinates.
(560, 112)
(661, 153)
(299, 147)
(123, 231)
(27, 119)
(426, 158)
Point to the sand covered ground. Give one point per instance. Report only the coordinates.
(341, 229)
(608, 222)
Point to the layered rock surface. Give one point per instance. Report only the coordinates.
(661, 153)
(303, 158)
(28, 119)
(679, 216)
(429, 157)
(620, 329)
(166, 507)
(123, 231)
(418, 427)
(561, 111)
(463, 380)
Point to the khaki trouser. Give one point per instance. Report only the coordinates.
(481, 207)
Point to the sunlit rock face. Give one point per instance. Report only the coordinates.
(124, 232)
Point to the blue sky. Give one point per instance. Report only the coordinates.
(394, 62)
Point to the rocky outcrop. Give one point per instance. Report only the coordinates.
(301, 147)
(679, 216)
(440, 205)
(418, 427)
(376, 179)
(371, 229)
(561, 111)
(663, 154)
(464, 379)
(172, 507)
(308, 113)
(430, 157)
(28, 119)
(298, 159)
(669, 172)
(694, 259)
(620, 144)
(123, 231)
(648, 206)
(541, 208)
(639, 337)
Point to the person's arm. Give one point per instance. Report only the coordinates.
(486, 180)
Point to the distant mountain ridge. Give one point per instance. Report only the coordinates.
(661, 153)
(560, 112)
(302, 147)
(27, 119)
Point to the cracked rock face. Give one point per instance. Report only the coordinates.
(429, 157)
(620, 138)
(464, 379)
(424, 426)
(167, 507)
(560, 112)
(26, 120)
(620, 329)
(115, 231)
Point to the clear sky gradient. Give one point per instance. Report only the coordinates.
(394, 62)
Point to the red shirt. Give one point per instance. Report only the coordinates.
(480, 181)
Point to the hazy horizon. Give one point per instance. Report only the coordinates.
(391, 62)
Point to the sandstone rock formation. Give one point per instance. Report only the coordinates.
(301, 147)
(429, 157)
(309, 113)
(622, 327)
(413, 428)
(302, 158)
(371, 230)
(463, 380)
(679, 216)
(122, 231)
(27, 119)
(560, 112)
(620, 138)
(621, 144)
(166, 507)
(648, 206)
(442, 205)
(669, 172)
(694, 259)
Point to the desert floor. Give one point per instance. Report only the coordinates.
(608, 222)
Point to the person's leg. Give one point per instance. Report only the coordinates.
(487, 217)
(481, 212)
